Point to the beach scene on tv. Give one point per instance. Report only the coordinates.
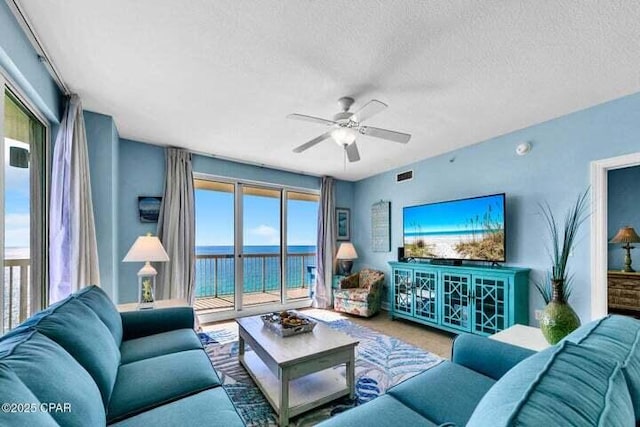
(470, 229)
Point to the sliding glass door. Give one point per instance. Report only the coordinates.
(215, 245)
(22, 216)
(302, 226)
(261, 249)
(241, 260)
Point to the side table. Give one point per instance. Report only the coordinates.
(522, 336)
(163, 303)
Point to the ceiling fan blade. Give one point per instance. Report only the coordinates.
(369, 109)
(389, 135)
(311, 143)
(311, 119)
(352, 152)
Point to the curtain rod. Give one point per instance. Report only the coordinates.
(26, 26)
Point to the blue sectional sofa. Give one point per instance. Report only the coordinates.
(82, 363)
(591, 378)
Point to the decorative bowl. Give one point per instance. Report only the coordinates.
(288, 323)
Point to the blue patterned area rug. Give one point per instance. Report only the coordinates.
(381, 362)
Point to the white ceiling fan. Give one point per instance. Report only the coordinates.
(346, 126)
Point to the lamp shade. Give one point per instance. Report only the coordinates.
(346, 251)
(626, 235)
(146, 248)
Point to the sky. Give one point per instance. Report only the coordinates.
(452, 216)
(214, 215)
(261, 218)
(16, 199)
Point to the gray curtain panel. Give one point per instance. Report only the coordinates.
(73, 250)
(177, 229)
(325, 244)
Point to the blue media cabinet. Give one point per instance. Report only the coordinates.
(479, 300)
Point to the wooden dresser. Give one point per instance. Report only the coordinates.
(624, 290)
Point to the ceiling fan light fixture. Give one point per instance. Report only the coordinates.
(345, 127)
(344, 136)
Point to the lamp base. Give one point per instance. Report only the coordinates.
(627, 259)
(146, 287)
(345, 266)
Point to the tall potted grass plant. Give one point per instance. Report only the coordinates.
(558, 318)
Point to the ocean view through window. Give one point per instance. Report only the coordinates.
(258, 222)
(23, 138)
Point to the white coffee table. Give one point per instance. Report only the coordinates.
(295, 373)
(522, 336)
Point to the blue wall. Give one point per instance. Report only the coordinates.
(20, 61)
(556, 170)
(623, 208)
(103, 145)
(142, 174)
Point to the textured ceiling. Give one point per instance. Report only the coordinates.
(220, 76)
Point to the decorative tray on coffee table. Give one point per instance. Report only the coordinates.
(288, 323)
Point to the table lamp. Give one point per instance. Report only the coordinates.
(146, 249)
(626, 236)
(345, 256)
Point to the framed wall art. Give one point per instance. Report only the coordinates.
(149, 208)
(381, 226)
(343, 224)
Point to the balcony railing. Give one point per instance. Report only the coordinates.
(14, 298)
(214, 278)
(215, 274)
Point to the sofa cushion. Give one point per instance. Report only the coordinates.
(562, 385)
(430, 393)
(148, 383)
(33, 321)
(207, 408)
(383, 411)
(101, 304)
(53, 375)
(141, 323)
(15, 392)
(615, 338)
(158, 344)
(83, 335)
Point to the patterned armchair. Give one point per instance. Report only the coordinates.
(360, 293)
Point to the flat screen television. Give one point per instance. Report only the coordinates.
(467, 229)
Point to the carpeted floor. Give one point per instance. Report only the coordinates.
(381, 362)
(430, 339)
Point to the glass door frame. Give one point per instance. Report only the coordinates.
(239, 309)
(7, 84)
(239, 248)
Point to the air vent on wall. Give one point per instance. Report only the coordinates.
(404, 176)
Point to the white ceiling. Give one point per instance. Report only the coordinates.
(220, 76)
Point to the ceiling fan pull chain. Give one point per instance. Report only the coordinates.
(344, 158)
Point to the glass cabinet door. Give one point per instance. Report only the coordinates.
(489, 296)
(456, 306)
(426, 295)
(402, 291)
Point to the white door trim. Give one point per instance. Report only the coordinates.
(599, 238)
